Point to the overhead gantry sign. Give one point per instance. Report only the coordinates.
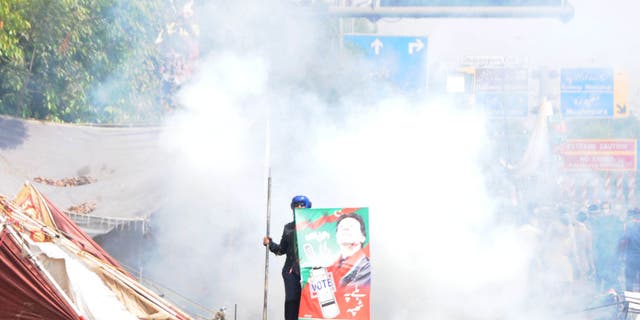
(377, 9)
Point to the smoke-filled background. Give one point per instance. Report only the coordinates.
(272, 90)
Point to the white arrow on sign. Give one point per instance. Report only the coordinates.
(376, 45)
(415, 46)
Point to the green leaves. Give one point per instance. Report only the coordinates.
(12, 27)
(81, 60)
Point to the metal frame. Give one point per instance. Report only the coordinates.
(564, 12)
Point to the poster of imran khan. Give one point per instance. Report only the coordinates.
(333, 248)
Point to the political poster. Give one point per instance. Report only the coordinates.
(333, 248)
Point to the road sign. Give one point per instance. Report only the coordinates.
(503, 92)
(593, 93)
(620, 95)
(398, 60)
(600, 154)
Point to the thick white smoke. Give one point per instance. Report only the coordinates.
(437, 251)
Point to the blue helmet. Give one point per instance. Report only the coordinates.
(300, 199)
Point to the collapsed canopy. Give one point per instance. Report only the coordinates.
(51, 269)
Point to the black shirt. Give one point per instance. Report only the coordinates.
(287, 246)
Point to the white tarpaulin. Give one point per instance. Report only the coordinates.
(90, 294)
(111, 175)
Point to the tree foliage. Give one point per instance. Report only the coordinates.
(82, 60)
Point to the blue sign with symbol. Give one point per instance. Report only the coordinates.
(587, 92)
(504, 104)
(398, 60)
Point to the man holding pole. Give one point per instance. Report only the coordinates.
(291, 268)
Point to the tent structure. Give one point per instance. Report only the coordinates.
(103, 177)
(51, 269)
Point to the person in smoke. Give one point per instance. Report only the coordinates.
(557, 255)
(352, 267)
(630, 245)
(291, 268)
(584, 248)
(220, 314)
(607, 230)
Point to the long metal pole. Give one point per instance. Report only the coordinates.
(268, 222)
(266, 251)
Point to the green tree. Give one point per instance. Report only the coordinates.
(81, 60)
(12, 26)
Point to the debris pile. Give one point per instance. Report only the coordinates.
(84, 208)
(66, 182)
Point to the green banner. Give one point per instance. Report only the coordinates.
(333, 247)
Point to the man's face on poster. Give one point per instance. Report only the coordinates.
(348, 233)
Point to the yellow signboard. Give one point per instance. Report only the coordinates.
(620, 95)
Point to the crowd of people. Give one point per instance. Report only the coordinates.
(589, 252)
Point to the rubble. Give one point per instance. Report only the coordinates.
(84, 208)
(66, 182)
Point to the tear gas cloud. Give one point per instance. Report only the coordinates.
(437, 249)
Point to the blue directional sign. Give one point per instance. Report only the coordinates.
(503, 92)
(398, 60)
(587, 92)
(504, 104)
